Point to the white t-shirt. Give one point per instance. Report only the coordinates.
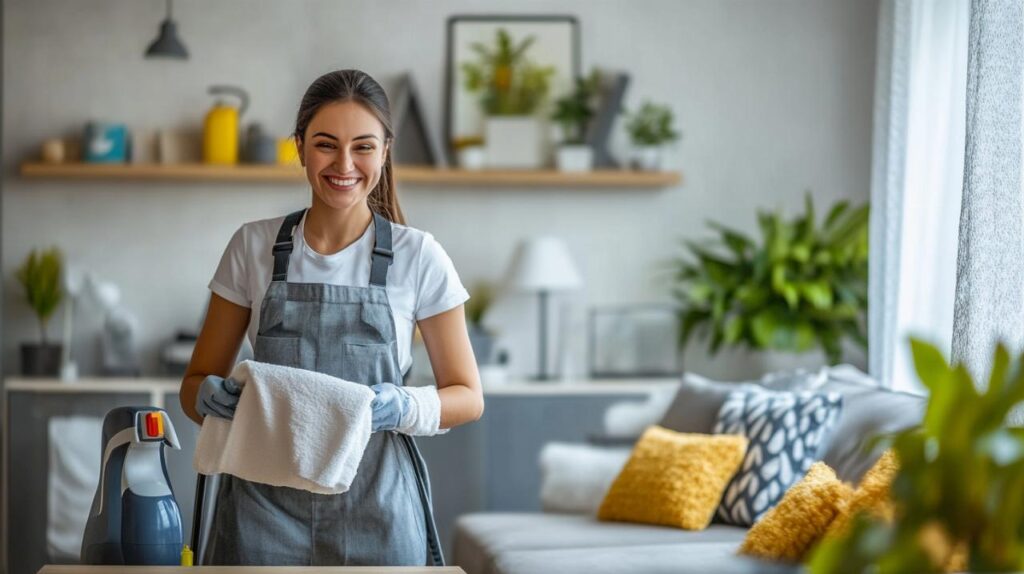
(421, 283)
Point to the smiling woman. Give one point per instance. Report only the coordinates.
(340, 288)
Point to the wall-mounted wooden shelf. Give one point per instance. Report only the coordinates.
(424, 175)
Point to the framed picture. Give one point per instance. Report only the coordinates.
(555, 42)
(634, 341)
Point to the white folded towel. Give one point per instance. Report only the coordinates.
(292, 427)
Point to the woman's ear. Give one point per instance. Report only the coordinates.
(302, 154)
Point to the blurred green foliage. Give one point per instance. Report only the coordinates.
(802, 285)
(960, 483)
(508, 83)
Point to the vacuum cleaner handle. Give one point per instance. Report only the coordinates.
(197, 518)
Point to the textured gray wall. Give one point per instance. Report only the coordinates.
(773, 98)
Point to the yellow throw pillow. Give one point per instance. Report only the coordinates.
(872, 494)
(790, 529)
(674, 478)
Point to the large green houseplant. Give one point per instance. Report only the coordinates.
(40, 276)
(803, 284)
(960, 486)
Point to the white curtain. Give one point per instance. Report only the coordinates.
(917, 170)
(990, 266)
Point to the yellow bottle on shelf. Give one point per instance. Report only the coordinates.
(186, 556)
(287, 153)
(220, 130)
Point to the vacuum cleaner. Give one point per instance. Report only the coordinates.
(134, 517)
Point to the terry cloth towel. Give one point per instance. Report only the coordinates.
(292, 427)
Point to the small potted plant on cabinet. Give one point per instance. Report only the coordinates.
(40, 275)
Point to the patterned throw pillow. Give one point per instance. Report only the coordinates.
(786, 432)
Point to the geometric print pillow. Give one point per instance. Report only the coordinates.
(786, 431)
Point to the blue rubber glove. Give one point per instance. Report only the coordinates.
(389, 406)
(218, 397)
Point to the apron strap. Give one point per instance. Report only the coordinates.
(382, 256)
(283, 245)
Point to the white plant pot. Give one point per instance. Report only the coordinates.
(472, 157)
(574, 158)
(648, 157)
(513, 142)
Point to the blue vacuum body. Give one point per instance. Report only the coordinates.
(134, 517)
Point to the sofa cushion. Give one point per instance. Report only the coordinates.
(786, 431)
(674, 478)
(867, 412)
(480, 538)
(697, 402)
(684, 558)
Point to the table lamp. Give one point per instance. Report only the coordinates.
(542, 265)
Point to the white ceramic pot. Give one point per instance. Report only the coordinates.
(647, 157)
(472, 157)
(513, 142)
(574, 158)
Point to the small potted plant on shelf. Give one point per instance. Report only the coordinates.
(40, 275)
(512, 90)
(650, 128)
(480, 338)
(573, 113)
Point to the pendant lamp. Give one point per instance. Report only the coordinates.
(167, 44)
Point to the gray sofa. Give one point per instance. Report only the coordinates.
(531, 542)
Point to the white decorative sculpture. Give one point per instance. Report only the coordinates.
(117, 341)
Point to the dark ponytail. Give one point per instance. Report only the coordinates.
(359, 87)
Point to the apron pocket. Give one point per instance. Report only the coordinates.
(369, 364)
(277, 350)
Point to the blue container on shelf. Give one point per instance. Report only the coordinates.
(105, 143)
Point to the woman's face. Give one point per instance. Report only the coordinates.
(343, 151)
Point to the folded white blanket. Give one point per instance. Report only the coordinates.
(292, 427)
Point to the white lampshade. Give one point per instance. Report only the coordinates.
(543, 264)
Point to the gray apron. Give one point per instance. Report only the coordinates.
(385, 518)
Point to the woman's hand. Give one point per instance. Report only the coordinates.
(218, 396)
(216, 349)
(389, 405)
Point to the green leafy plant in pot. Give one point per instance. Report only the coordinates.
(573, 113)
(803, 285)
(481, 339)
(650, 128)
(958, 496)
(512, 89)
(40, 275)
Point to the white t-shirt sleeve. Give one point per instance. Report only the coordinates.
(230, 279)
(438, 286)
